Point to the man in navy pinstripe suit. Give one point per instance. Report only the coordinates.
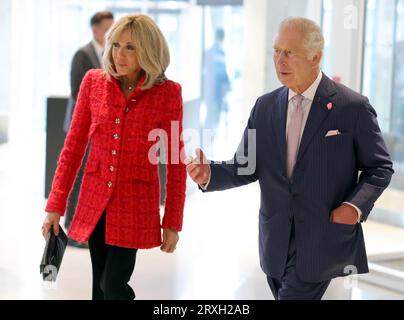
(318, 154)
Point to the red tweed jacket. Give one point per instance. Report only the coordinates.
(121, 174)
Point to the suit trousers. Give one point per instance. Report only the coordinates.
(112, 267)
(291, 287)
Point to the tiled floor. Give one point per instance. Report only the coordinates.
(217, 257)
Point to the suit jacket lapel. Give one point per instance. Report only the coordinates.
(279, 124)
(318, 113)
(93, 56)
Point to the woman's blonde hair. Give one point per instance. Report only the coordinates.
(150, 46)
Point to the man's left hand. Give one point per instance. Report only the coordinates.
(170, 239)
(344, 214)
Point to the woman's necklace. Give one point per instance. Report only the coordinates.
(130, 86)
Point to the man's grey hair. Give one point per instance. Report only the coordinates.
(312, 35)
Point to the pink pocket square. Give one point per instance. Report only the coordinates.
(332, 133)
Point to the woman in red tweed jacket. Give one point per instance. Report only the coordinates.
(119, 110)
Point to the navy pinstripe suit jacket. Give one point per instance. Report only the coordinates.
(352, 166)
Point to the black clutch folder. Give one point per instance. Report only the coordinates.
(53, 254)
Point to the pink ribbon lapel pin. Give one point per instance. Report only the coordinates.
(329, 106)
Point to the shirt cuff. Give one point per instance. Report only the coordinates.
(359, 211)
(205, 186)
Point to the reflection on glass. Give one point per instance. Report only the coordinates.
(216, 81)
(383, 81)
(223, 38)
(378, 63)
(398, 82)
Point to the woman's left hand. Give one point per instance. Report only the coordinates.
(170, 239)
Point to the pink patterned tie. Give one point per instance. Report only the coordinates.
(293, 134)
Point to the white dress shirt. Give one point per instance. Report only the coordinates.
(308, 97)
(99, 50)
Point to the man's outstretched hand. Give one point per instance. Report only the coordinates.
(198, 168)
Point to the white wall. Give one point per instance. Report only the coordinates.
(262, 20)
(21, 74)
(345, 42)
(5, 8)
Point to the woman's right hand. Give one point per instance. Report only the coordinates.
(52, 219)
